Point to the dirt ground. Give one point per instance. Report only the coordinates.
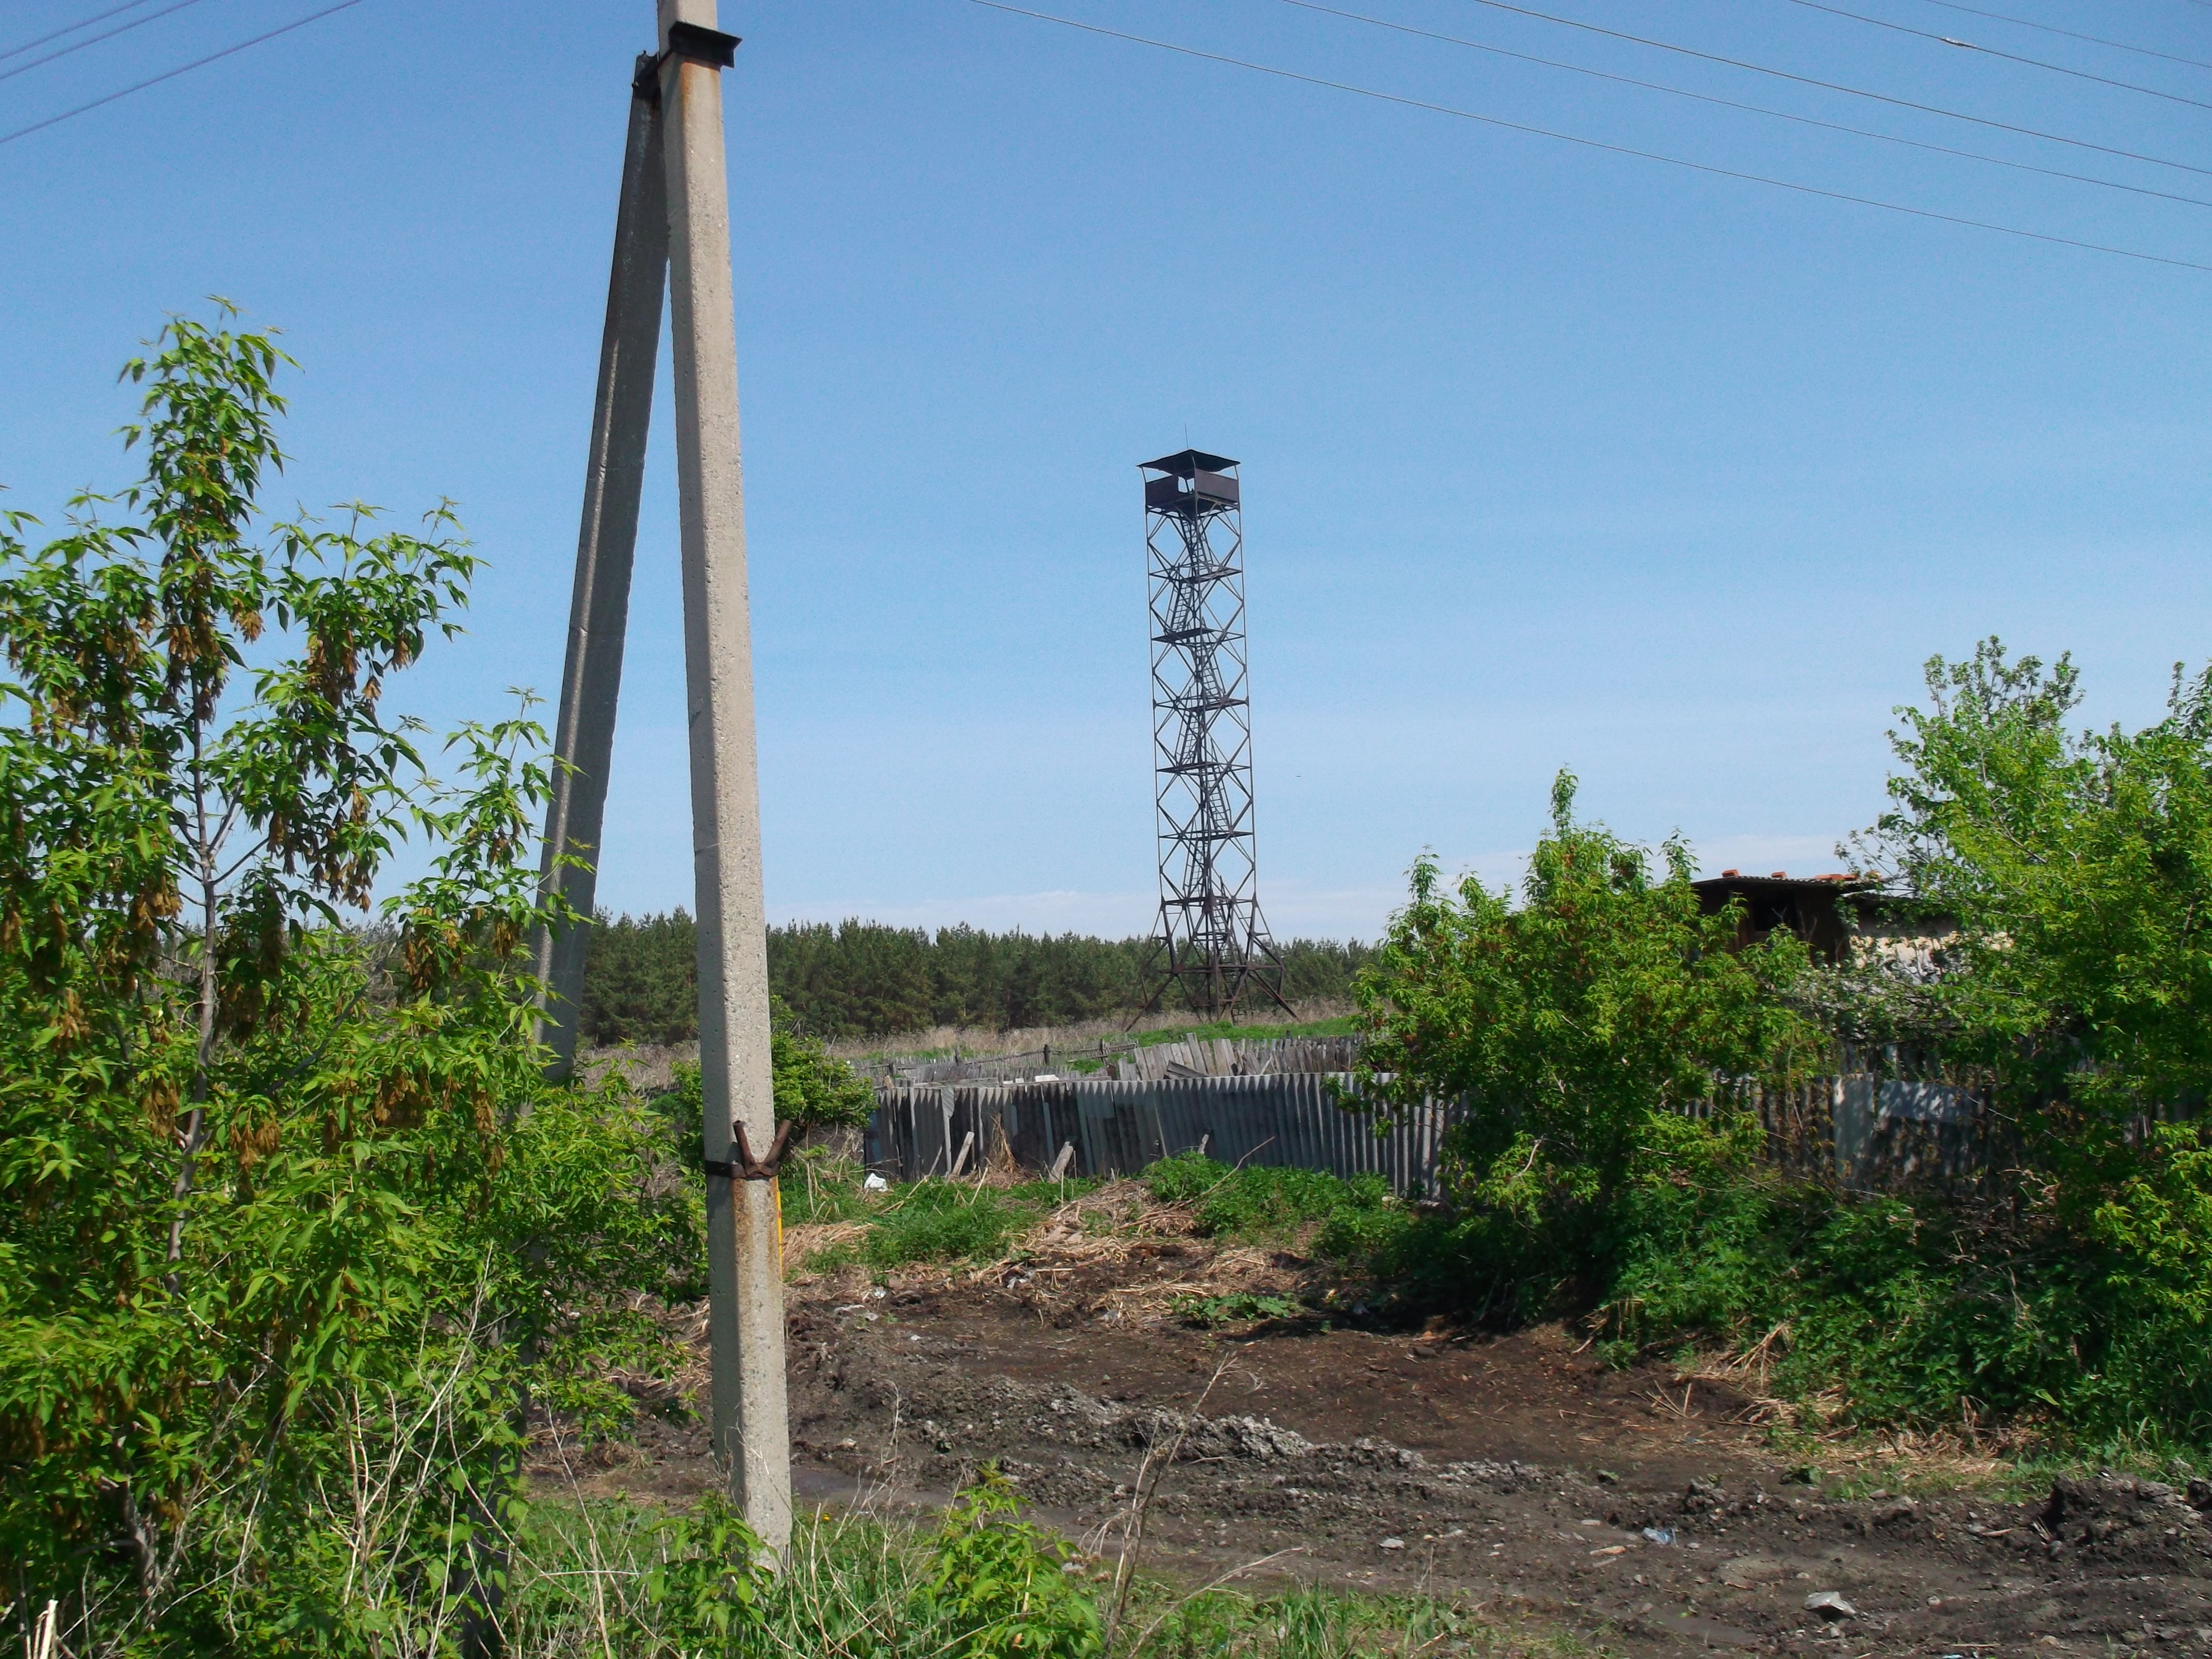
(1647, 1510)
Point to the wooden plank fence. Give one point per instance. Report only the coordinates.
(1289, 1119)
(1861, 1130)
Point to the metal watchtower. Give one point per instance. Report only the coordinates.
(1211, 940)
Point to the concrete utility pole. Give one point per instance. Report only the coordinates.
(674, 218)
(745, 1245)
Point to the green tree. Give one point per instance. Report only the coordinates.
(2078, 864)
(274, 1214)
(1579, 1023)
(1579, 1029)
(2079, 867)
(641, 980)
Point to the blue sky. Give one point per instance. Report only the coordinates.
(1552, 456)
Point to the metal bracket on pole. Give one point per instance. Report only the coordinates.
(702, 45)
(744, 1166)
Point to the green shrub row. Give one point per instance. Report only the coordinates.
(1600, 1169)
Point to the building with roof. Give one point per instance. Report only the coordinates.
(1843, 918)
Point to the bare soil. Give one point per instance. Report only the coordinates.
(1651, 1511)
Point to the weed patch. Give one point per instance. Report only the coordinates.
(817, 1188)
(1264, 1204)
(930, 1220)
(944, 1221)
(1241, 1307)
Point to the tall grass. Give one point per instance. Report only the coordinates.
(620, 1579)
(1268, 1204)
(606, 1578)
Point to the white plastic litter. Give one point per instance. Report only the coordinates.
(876, 1183)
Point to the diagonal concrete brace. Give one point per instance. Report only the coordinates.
(606, 543)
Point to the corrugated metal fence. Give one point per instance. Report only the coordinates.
(1871, 1133)
(1118, 1128)
(1861, 1130)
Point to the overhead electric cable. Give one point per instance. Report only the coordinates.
(1992, 52)
(1588, 143)
(171, 74)
(1837, 85)
(2049, 28)
(55, 34)
(1754, 109)
(94, 40)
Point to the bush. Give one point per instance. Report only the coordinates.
(1912, 1310)
(1267, 1203)
(999, 1587)
(288, 1214)
(1186, 1176)
(944, 1221)
(813, 1090)
(1575, 1025)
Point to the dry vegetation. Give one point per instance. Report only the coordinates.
(983, 1041)
(1111, 1252)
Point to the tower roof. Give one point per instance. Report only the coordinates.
(1186, 462)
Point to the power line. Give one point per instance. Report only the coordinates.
(1837, 85)
(94, 40)
(98, 17)
(171, 74)
(1754, 109)
(2009, 57)
(1588, 143)
(2048, 28)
